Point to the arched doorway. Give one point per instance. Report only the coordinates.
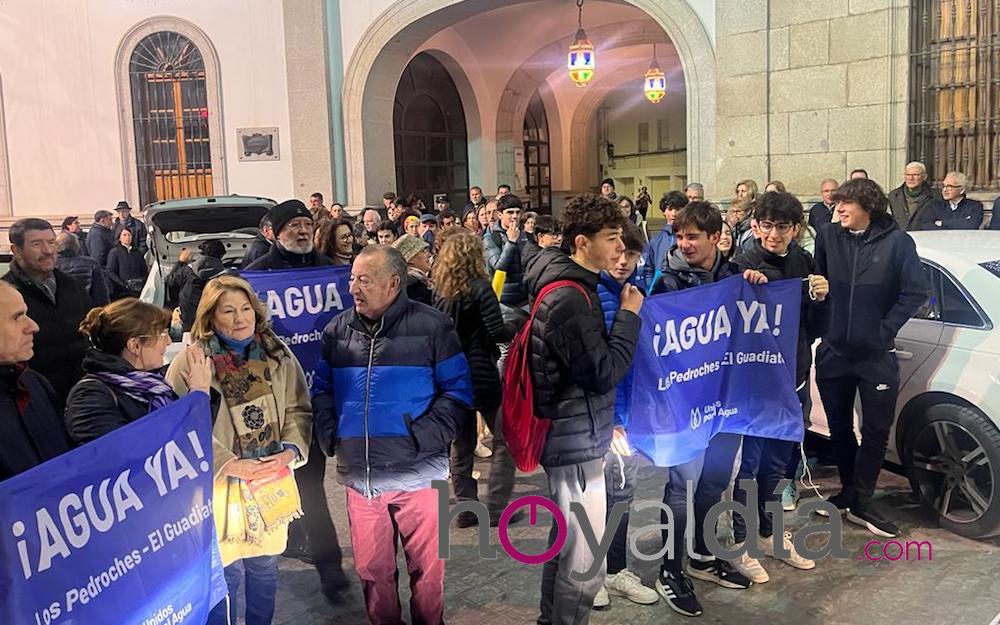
(536, 156)
(170, 117)
(430, 140)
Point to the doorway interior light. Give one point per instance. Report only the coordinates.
(581, 53)
(655, 85)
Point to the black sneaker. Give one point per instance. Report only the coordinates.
(839, 500)
(719, 572)
(678, 591)
(865, 516)
(466, 519)
(514, 518)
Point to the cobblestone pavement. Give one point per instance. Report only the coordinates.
(959, 585)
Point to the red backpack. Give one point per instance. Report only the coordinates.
(524, 432)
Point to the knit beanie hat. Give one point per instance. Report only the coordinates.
(409, 246)
(287, 211)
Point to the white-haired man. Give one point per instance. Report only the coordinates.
(955, 211)
(912, 202)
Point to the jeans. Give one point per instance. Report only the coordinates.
(566, 601)
(620, 475)
(877, 381)
(376, 524)
(260, 576)
(463, 456)
(710, 473)
(502, 467)
(764, 460)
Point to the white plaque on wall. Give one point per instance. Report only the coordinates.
(258, 144)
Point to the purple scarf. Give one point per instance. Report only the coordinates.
(142, 386)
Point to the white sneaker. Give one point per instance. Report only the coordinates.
(482, 451)
(627, 584)
(750, 566)
(602, 600)
(793, 558)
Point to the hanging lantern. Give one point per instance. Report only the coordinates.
(656, 83)
(581, 53)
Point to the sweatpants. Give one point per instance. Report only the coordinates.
(566, 601)
(711, 473)
(840, 380)
(376, 524)
(620, 476)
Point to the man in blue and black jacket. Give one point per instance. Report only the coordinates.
(390, 387)
(876, 284)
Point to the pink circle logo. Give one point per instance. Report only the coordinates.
(532, 502)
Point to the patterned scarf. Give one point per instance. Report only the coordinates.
(253, 508)
(143, 386)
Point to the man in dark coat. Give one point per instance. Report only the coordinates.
(72, 225)
(83, 268)
(313, 538)
(876, 284)
(31, 424)
(188, 279)
(912, 202)
(505, 242)
(101, 238)
(954, 211)
(125, 221)
(390, 388)
(56, 302)
(293, 240)
(821, 212)
(576, 365)
(262, 243)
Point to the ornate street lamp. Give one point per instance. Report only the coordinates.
(581, 53)
(655, 85)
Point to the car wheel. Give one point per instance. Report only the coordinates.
(952, 456)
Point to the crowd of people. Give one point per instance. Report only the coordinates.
(410, 378)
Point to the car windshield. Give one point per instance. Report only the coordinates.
(992, 266)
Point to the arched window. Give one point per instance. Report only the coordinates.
(428, 125)
(536, 156)
(954, 92)
(170, 118)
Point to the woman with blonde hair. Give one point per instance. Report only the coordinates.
(123, 379)
(747, 188)
(462, 290)
(261, 432)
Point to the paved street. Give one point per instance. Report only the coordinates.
(960, 585)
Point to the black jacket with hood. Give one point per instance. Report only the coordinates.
(679, 274)
(814, 317)
(576, 363)
(876, 284)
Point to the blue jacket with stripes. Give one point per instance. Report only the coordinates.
(388, 396)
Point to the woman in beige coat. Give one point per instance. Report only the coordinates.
(262, 424)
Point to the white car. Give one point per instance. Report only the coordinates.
(946, 436)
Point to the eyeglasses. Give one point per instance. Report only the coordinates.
(767, 226)
(951, 186)
(164, 334)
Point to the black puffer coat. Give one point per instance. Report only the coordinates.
(576, 364)
(480, 328)
(93, 408)
(88, 272)
(814, 317)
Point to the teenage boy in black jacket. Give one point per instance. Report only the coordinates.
(876, 284)
(779, 218)
(694, 261)
(576, 365)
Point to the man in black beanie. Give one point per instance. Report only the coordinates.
(293, 240)
(313, 538)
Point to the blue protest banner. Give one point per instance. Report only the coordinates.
(117, 531)
(301, 303)
(716, 358)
